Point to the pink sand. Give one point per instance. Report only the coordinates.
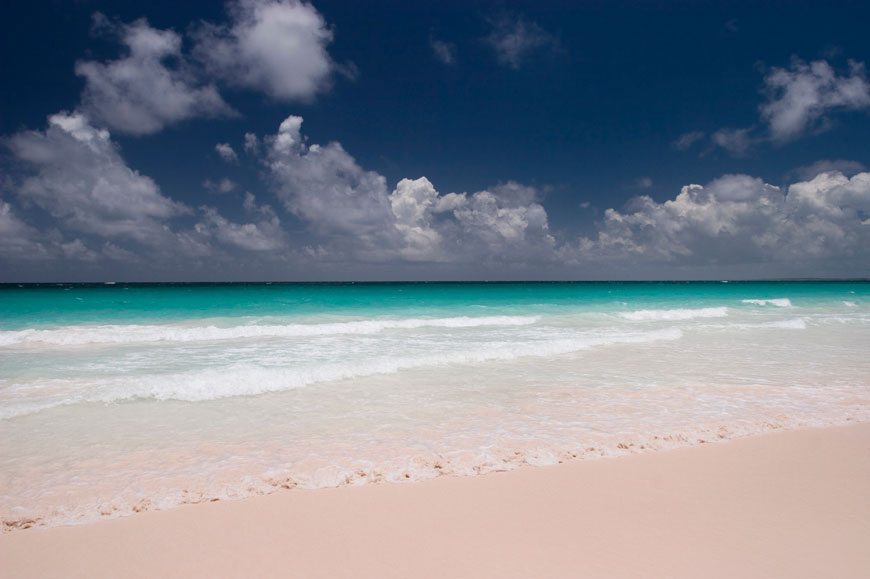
(790, 504)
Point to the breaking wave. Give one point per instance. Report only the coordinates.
(778, 302)
(674, 315)
(124, 334)
(249, 379)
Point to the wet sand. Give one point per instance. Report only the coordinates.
(787, 504)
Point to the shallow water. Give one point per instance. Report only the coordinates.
(129, 397)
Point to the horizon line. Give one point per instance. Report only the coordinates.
(456, 281)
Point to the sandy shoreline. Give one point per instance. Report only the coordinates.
(786, 504)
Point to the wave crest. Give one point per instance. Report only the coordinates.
(248, 379)
(124, 334)
(674, 315)
(778, 302)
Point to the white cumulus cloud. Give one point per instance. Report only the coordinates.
(507, 226)
(101, 213)
(151, 87)
(413, 203)
(326, 187)
(844, 166)
(77, 175)
(801, 97)
(351, 210)
(93, 208)
(741, 219)
(265, 234)
(276, 46)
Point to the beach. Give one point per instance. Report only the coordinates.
(784, 504)
(298, 288)
(460, 429)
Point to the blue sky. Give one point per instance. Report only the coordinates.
(279, 140)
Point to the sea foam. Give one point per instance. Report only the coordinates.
(125, 334)
(778, 302)
(795, 324)
(249, 379)
(138, 398)
(675, 315)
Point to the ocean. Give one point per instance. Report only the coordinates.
(118, 398)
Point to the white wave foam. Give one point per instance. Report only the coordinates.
(250, 379)
(218, 479)
(792, 324)
(778, 302)
(672, 315)
(796, 324)
(122, 334)
(850, 304)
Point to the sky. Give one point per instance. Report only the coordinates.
(278, 140)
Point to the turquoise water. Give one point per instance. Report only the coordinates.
(119, 398)
(45, 305)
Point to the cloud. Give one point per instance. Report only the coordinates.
(105, 216)
(96, 210)
(643, 183)
(225, 185)
(515, 194)
(848, 168)
(77, 250)
(148, 89)
(252, 144)
(327, 188)
(77, 175)
(508, 227)
(276, 46)
(514, 38)
(352, 213)
(226, 152)
(738, 219)
(17, 239)
(264, 235)
(801, 98)
(444, 51)
(686, 140)
(413, 204)
(735, 141)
